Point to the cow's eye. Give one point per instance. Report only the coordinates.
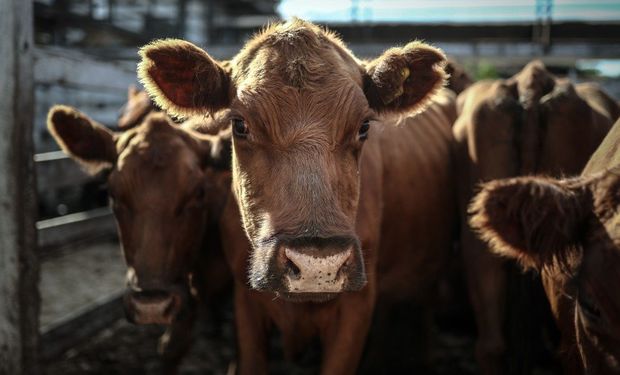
(363, 131)
(239, 128)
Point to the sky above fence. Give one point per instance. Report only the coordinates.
(457, 11)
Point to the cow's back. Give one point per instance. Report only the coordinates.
(599, 100)
(419, 211)
(608, 154)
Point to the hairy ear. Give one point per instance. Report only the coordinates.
(531, 219)
(405, 79)
(183, 79)
(86, 141)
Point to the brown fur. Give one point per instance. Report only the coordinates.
(167, 198)
(531, 123)
(301, 171)
(135, 110)
(568, 231)
(165, 75)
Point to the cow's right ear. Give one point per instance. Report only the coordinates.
(532, 219)
(183, 79)
(86, 141)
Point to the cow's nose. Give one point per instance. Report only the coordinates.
(309, 272)
(152, 306)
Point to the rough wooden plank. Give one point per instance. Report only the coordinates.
(69, 229)
(19, 299)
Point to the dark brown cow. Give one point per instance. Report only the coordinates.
(569, 231)
(167, 198)
(530, 123)
(333, 220)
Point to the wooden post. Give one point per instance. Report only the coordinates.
(19, 298)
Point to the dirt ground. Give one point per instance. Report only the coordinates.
(124, 348)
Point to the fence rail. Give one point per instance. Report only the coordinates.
(98, 89)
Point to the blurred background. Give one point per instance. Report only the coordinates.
(86, 57)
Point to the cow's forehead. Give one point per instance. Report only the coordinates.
(297, 54)
(155, 156)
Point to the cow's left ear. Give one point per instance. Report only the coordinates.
(404, 79)
(183, 79)
(531, 219)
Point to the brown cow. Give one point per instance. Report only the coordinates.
(167, 197)
(569, 231)
(530, 123)
(333, 220)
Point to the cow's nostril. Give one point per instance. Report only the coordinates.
(292, 268)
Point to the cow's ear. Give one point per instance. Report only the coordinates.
(183, 79)
(404, 79)
(83, 139)
(533, 220)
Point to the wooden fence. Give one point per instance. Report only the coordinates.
(99, 89)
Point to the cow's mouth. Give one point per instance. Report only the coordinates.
(307, 297)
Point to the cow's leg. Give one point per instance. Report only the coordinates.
(486, 279)
(345, 336)
(252, 331)
(175, 342)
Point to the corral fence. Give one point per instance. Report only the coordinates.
(72, 205)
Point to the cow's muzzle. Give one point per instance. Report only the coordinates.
(153, 306)
(312, 268)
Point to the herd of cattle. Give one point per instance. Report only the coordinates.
(327, 190)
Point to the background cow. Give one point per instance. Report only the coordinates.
(530, 123)
(568, 230)
(331, 223)
(167, 191)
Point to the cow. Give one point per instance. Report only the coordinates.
(345, 197)
(167, 185)
(530, 123)
(569, 231)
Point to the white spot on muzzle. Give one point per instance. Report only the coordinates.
(317, 274)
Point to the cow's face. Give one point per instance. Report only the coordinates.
(570, 231)
(160, 186)
(301, 109)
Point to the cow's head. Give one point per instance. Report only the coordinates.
(301, 108)
(570, 231)
(162, 189)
